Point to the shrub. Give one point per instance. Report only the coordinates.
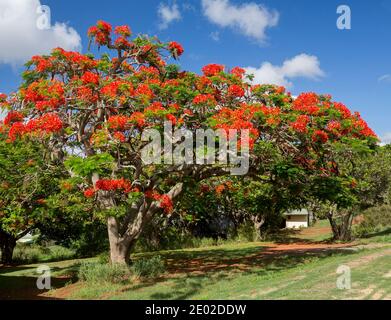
(246, 232)
(95, 272)
(104, 257)
(58, 253)
(24, 253)
(149, 267)
(375, 219)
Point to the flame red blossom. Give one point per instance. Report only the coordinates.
(123, 31)
(13, 116)
(118, 122)
(144, 90)
(89, 193)
(345, 112)
(307, 103)
(165, 202)
(211, 70)
(320, 136)
(120, 136)
(45, 94)
(334, 125)
(236, 91)
(42, 64)
(90, 77)
(172, 119)
(114, 185)
(176, 48)
(139, 118)
(17, 130)
(48, 123)
(239, 72)
(204, 99)
(300, 125)
(86, 94)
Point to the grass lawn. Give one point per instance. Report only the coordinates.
(300, 267)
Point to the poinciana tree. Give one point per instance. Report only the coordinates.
(91, 113)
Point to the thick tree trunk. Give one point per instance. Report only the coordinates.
(343, 230)
(7, 246)
(258, 223)
(119, 246)
(123, 235)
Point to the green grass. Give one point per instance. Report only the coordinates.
(231, 271)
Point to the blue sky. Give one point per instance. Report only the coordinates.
(354, 66)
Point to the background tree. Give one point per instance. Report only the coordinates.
(360, 179)
(26, 180)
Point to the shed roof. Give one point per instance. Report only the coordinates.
(302, 212)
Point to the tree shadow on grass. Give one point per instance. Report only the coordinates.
(385, 232)
(190, 272)
(24, 286)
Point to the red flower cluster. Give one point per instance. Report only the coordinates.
(119, 136)
(238, 119)
(118, 122)
(239, 72)
(139, 118)
(101, 32)
(164, 200)
(114, 185)
(345, 112)
(175, 48)
(362, 127)
(116, 88)
(42, 64)
(48, 123)
(45, 94)
(123, 31)
(211, 70)
(334, 126)
(90, 77)
(300, 125)
(144, 90)
(89, 193)
(13, 116)
(204, 99)
(307, 103)
(172, 119)
(236, 91)
(320, 136)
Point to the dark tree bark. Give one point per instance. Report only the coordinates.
(7, 246)
(342, 229)
(124, 234)
(258, 222)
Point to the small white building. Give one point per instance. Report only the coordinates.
(297, 219)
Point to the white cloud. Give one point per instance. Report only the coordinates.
(300, 66)
(386, 139)
(215, 36)
(250, 19)
(168, 14)
(385, 78)
(20, 37)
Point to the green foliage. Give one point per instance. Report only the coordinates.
(376, 219)
(26, 253)
(94, 272)
(84, 167)
(149, 267)
(247, 232)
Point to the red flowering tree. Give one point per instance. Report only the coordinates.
(91, 112)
